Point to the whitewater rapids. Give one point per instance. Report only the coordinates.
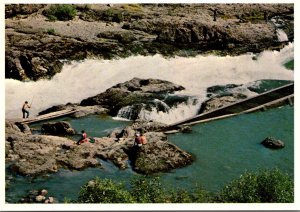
(79, 80)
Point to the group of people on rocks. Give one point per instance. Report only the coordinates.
(140, 138)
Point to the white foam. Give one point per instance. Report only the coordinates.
(79, 80)
(282, 36)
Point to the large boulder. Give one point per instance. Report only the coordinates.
(159, 156)
(137, 94)
(58, 128)
(273, 143)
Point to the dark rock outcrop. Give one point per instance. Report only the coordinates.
(136, 93)
(220, 101)
(273, 143)
(58, 128)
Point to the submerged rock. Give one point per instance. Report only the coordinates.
(273, 143)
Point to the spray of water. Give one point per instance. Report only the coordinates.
(282, 36)
(79, 80)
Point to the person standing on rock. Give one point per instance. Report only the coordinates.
(25, 109)
(83, 138)
(137, 140)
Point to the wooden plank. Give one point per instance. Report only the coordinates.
(260, 101)
(48, 116)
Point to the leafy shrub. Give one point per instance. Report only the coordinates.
(104, 191)
(62, 12)
(147, 190)
(271, 186)
(267, 186)
(113, 15)
(51, 31)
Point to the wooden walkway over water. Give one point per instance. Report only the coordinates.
(45, 117)
(276, 97)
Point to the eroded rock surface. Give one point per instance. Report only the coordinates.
(34, 155)
(35, 47)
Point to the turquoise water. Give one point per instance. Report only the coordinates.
(95, 126)
(223, 149)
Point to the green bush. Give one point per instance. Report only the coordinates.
(147, 190)
(113, 15)
(271, 186)
(104, 191)
(267, 186)
(51, 31)
(62, 12)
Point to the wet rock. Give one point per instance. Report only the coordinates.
(58, 128)
(220, 101)
(186, 129)
(24, 128)
(133, 92)
(39, 198)
(273, 143)
(159, 156)
(43, 192)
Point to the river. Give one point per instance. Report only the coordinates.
(224, 149)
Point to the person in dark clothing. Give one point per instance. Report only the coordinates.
(25, 109)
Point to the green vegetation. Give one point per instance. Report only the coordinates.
(114, 15)
(271, 186)
(267, 186)
(104, 191)
(62, 12)
(290, 65)
(51, 31)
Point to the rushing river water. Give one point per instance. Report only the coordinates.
(223, 149)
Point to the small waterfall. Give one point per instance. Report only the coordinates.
(196, 74)
(161, 105)
(279, 24)
(174, 114)
(282, 36)
(125, 113)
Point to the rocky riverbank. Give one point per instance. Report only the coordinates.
(36, 47)
(33, 155)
